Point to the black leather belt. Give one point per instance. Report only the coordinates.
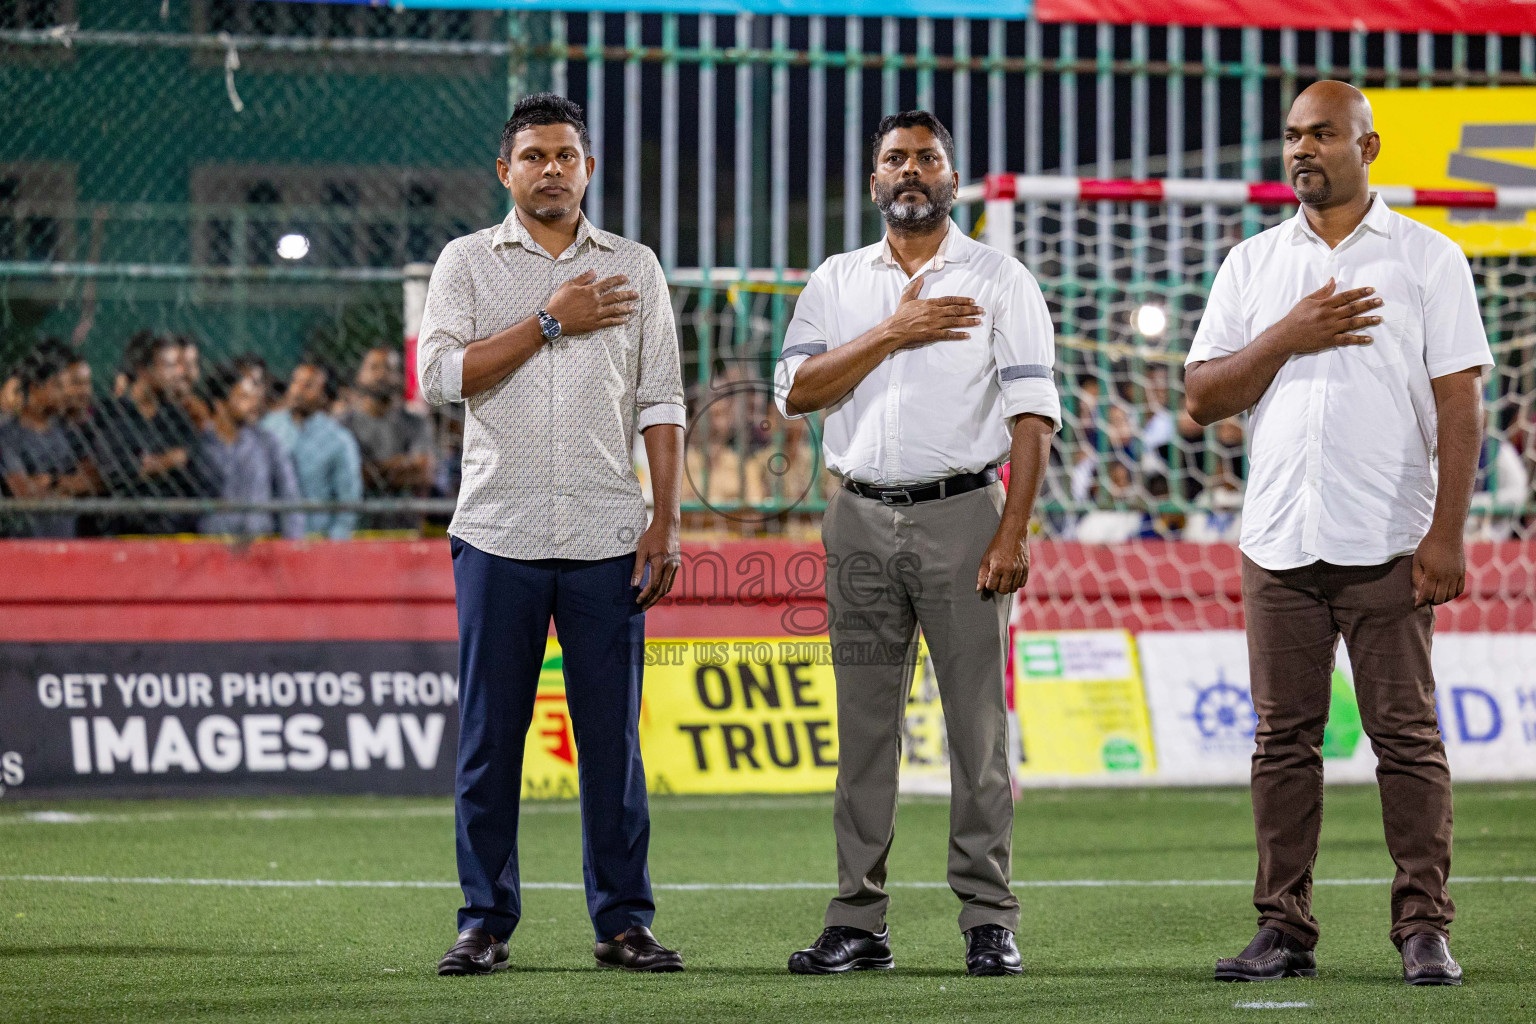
(946, 488)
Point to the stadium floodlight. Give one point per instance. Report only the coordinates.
(293, 246)
(1150, 320)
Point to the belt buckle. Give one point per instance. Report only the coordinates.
(898, 496)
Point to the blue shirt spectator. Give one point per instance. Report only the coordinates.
(250, 463)
(325, 454)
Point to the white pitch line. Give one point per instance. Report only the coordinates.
(1269, 1006)
(345, 883)
(685, 803)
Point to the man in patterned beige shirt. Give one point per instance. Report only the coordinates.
(558, 338)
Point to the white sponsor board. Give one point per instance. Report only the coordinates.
(1203, 720)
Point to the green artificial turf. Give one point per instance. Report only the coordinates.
(73, 950)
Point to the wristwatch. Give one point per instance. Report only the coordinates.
(548, 325)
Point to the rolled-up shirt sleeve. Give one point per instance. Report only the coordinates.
(1223, 330)
(807, 335)
(1024, 348)
(447, 328)
(1454, 338)
(659, 391)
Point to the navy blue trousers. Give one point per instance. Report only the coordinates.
(505, 606)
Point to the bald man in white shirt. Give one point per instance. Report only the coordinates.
(1353, 333)
(931, 354)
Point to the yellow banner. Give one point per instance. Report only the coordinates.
(738, 715)
(759, 715)
(1461, 138)
(1081, 707)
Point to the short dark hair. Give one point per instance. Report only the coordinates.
(332, 378)
(58, 348)
(544, 108)
(221, 380)
(142, 349)
(40, 366)
(251, 362)
(912, 119)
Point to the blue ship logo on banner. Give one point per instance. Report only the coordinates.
(1224, 712)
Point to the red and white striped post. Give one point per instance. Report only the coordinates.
(415, 294)
(1001, 192)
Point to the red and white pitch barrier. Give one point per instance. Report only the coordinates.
(1001, 192)
(1022, 188)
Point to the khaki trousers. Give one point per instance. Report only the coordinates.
(891, 570)
(1294, 620)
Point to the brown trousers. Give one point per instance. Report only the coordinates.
(1295, 618)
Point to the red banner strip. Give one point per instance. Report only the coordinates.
(1505, 17)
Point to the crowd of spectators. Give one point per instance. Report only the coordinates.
(169, 430)
(1131, 463)
(1128, 462)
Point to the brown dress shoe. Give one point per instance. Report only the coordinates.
(1427, 960)
(1271, 955)
(637, 950)
(476, 952)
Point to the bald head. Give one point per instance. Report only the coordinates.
(1334, 101)
(1330, 142)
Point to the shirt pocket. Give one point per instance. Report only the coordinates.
(963, 355)
(1391, 338)
(1388, 340)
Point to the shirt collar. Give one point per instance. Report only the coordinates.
(1378, 218)
(512, 232)
(955, 248)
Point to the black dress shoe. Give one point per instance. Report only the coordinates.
(838, 949)
(990, 952)
(1427, 960)
(1270, 956)
(638, 950)
(476, 952)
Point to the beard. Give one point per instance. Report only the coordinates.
(915, 218)
(1316, 194)
(551, 212)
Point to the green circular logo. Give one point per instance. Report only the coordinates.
(1120, 755)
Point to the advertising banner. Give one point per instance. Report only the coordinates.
(99, 719)
(1082, 713)
(736, 715)
(1203, 719)
(742, 715)
(1462, 139)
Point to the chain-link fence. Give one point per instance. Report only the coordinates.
(253, 177)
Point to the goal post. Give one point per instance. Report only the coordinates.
(1001, 195)
(1136, 491)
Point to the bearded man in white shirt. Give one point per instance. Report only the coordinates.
(1353, 333)
(931, 354)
